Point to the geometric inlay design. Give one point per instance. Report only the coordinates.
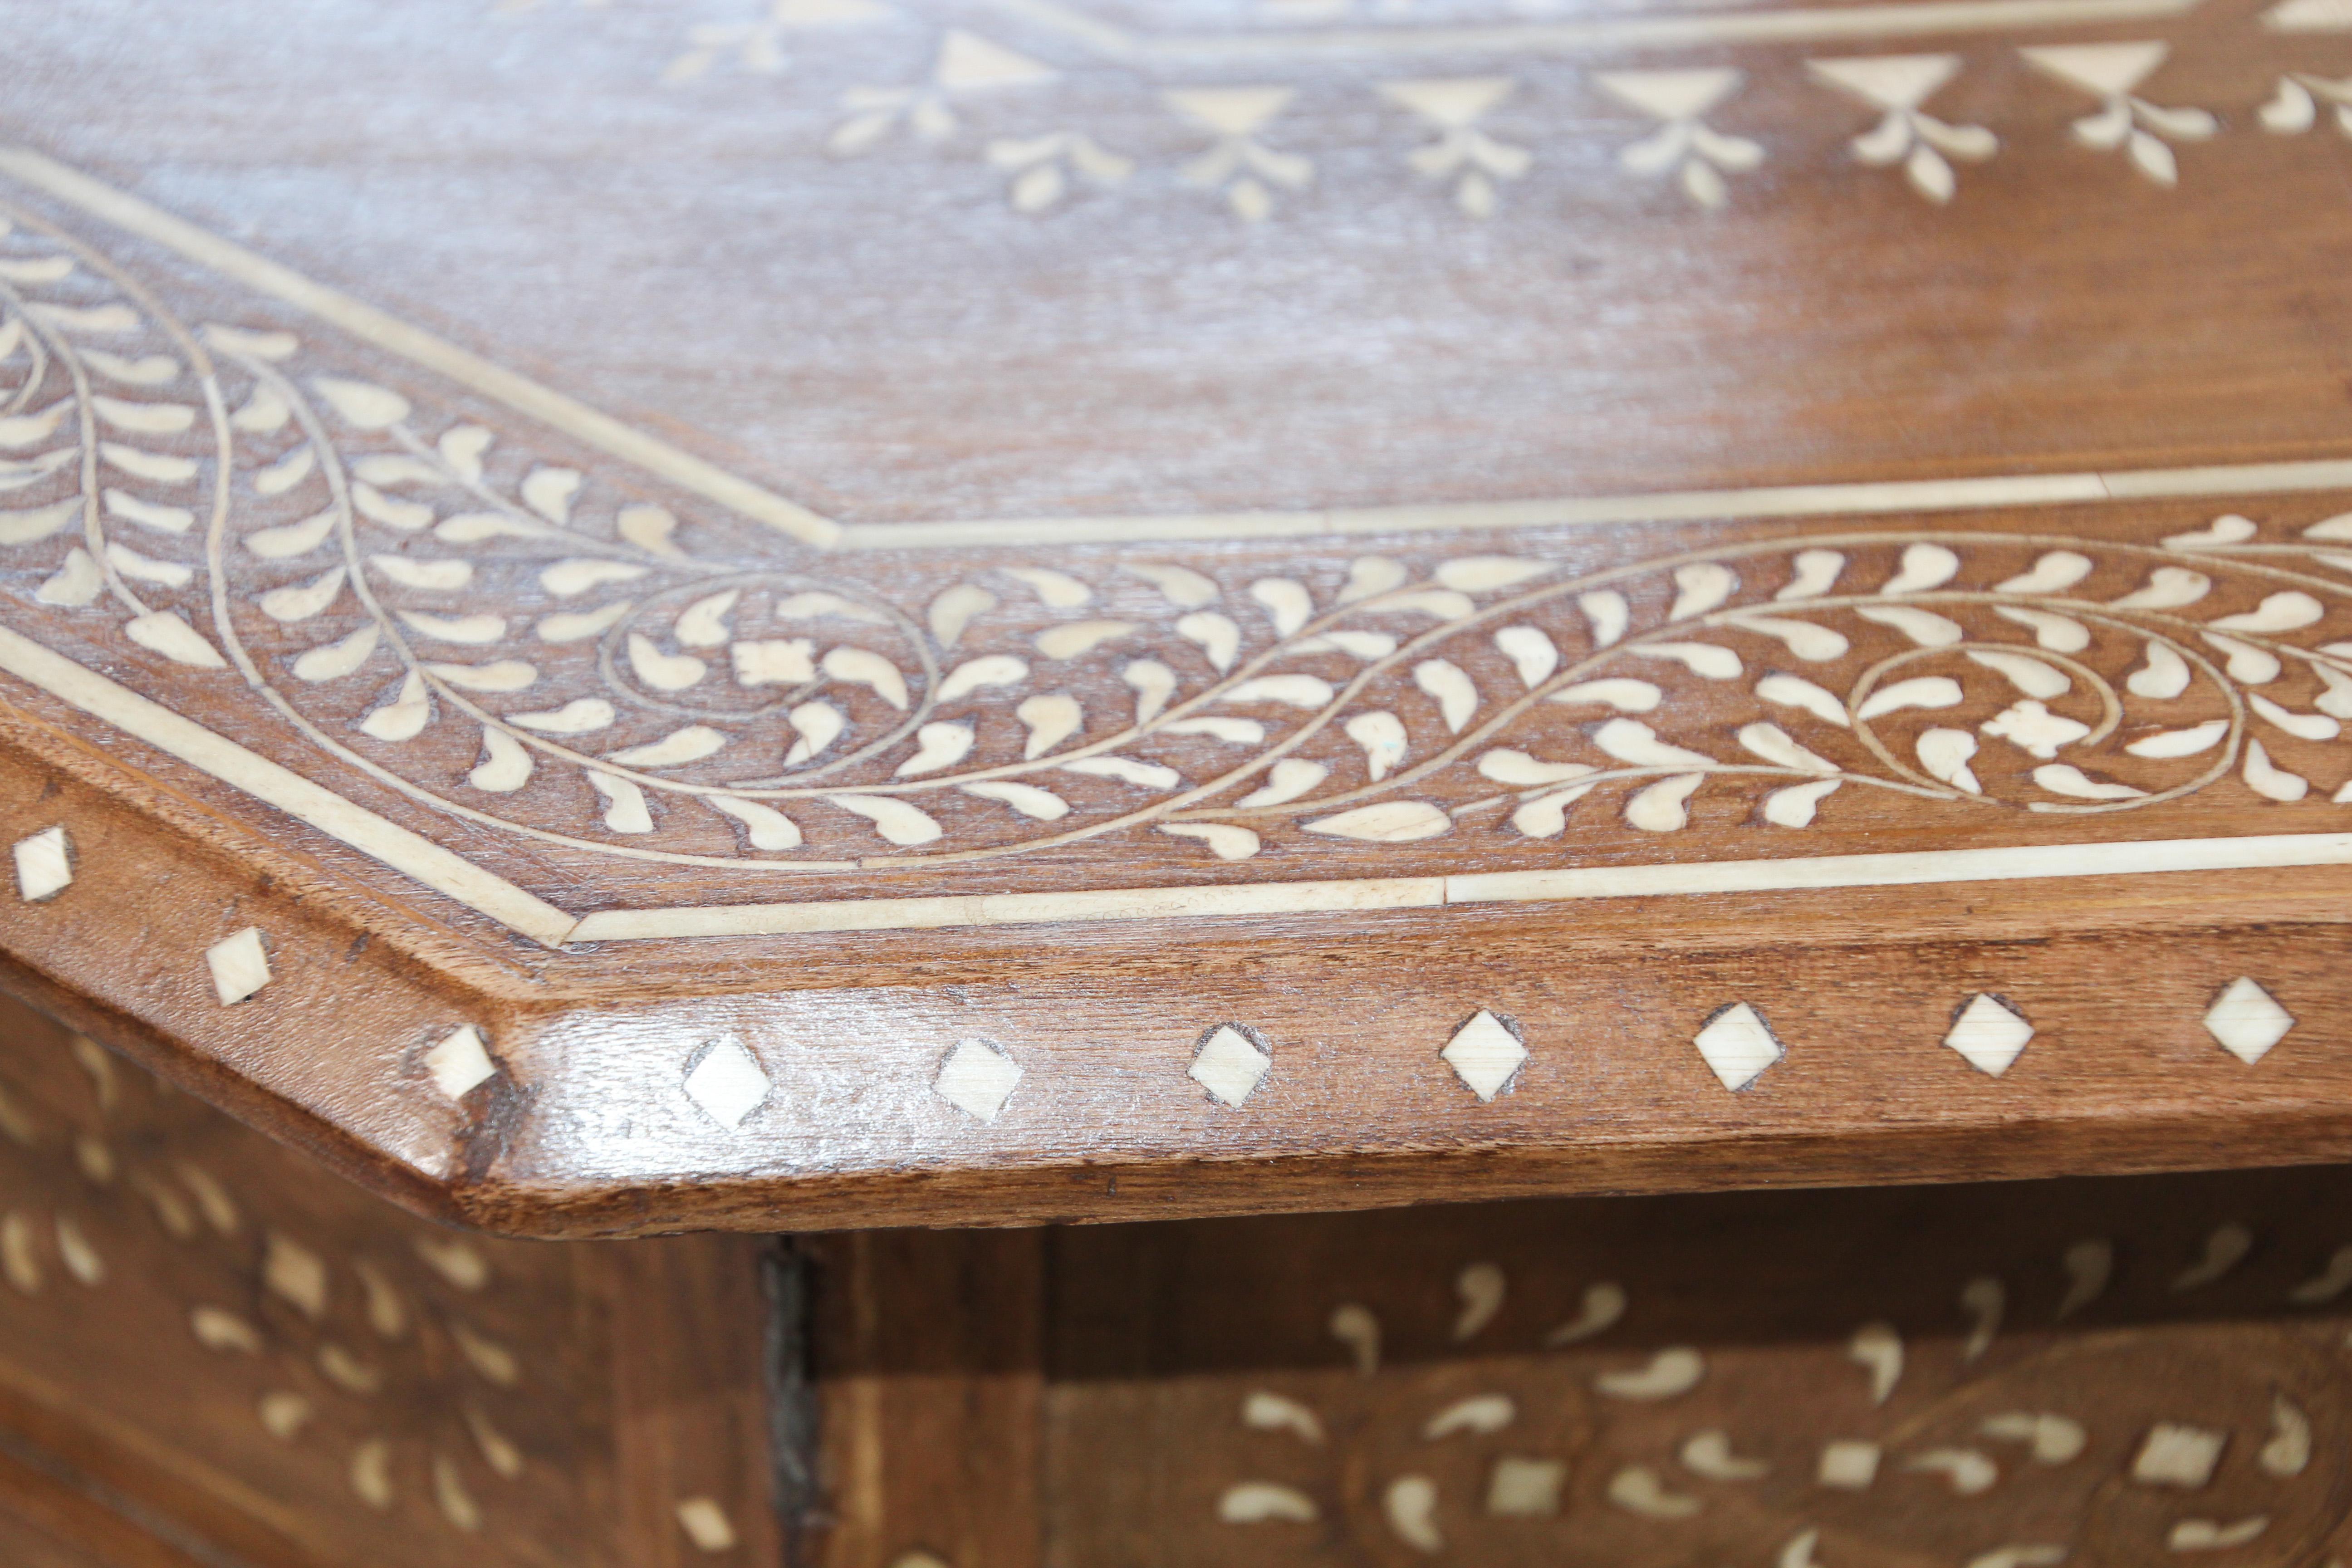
(2247, 1020)
(727, 1083)
(1484, 1054)
(460, 1062)
(1739, 1045)
(239, 964)
(757, 670)
(1229, 1065)
(2178, 1456)
(1850, 1464)
(977, 1078)
(1989, 1033)
(706, 1524)
(44, 865)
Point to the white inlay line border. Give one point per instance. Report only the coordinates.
(365, 322)
(489, 894)
(2024, 862)
(410, 853)
(1748, 504)
(1795, 24)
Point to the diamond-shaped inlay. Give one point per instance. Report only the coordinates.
(460, 1062)
(2247, 1020)
(1484, 1054)
(240, 965)
(2173, 1456)
(726, 1083)
(1988, 1034)
(1229, 1065)
(1850, 1464)
(977, 1078)
(44, 865)
(1739, 1045)
(1525, 1489)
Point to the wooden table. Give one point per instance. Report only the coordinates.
(824, 614)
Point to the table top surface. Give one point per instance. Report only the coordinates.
(826, 612)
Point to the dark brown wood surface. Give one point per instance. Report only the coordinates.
(213, 1353)
(2113, 1372)
(994, 611)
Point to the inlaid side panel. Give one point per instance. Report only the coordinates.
(2129, 1372)
(213, 1351)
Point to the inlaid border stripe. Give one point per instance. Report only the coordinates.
(1015, 908)
(367, 322)
(1794, 874)
(1673, 505)
(1805, 24)
(1860, 500)
(437, 869)
(291, 793)
(480, 890)
(566, 414)
(2009, 863)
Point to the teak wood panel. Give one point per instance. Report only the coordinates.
(2105, 1374)
(213, 1353)
(1001, 610)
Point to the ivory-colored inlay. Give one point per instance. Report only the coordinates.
(44, 865)
(239, 965)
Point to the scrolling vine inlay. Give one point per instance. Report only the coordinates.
(513, 636)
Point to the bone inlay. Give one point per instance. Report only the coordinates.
(1356, 720)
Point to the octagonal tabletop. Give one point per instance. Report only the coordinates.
(835, 612)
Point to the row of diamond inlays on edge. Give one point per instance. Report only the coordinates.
(239, 963)
(1988, 1031)
(978, 1076)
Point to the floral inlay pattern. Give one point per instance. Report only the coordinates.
(636, 681)
(1020, 59)
(392, 1370)
(2014, 1430)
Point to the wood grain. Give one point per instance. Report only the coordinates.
(47, 1523)
(930, 1373)
(791, 620)
(879, 337)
